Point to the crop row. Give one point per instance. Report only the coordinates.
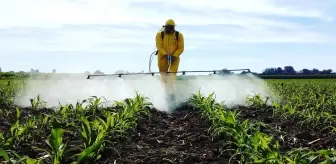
(73, 134)
(101, 127)
(310, 103)
(245, 141)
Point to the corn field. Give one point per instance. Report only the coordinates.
(298, 129)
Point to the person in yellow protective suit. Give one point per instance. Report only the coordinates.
(170, 47)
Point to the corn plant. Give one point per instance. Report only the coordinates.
(246, 142)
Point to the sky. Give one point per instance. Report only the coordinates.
(74, 36)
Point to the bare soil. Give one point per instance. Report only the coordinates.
(180, 137)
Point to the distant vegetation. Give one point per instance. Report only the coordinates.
(289, 70)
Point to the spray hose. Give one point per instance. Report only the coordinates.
(170, 58)
(150, 61)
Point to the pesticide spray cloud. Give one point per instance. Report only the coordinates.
(231, 89)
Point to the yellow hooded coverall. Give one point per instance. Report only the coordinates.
(169, 45)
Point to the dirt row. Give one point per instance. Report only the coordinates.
(180, 137)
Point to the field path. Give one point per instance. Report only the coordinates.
(180, 137)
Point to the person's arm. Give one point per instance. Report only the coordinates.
(159, 44)
(180, 46)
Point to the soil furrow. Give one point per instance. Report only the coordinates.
(180, 137)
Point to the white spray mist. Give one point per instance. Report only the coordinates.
(231, 89)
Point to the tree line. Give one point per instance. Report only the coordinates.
(289, 70)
